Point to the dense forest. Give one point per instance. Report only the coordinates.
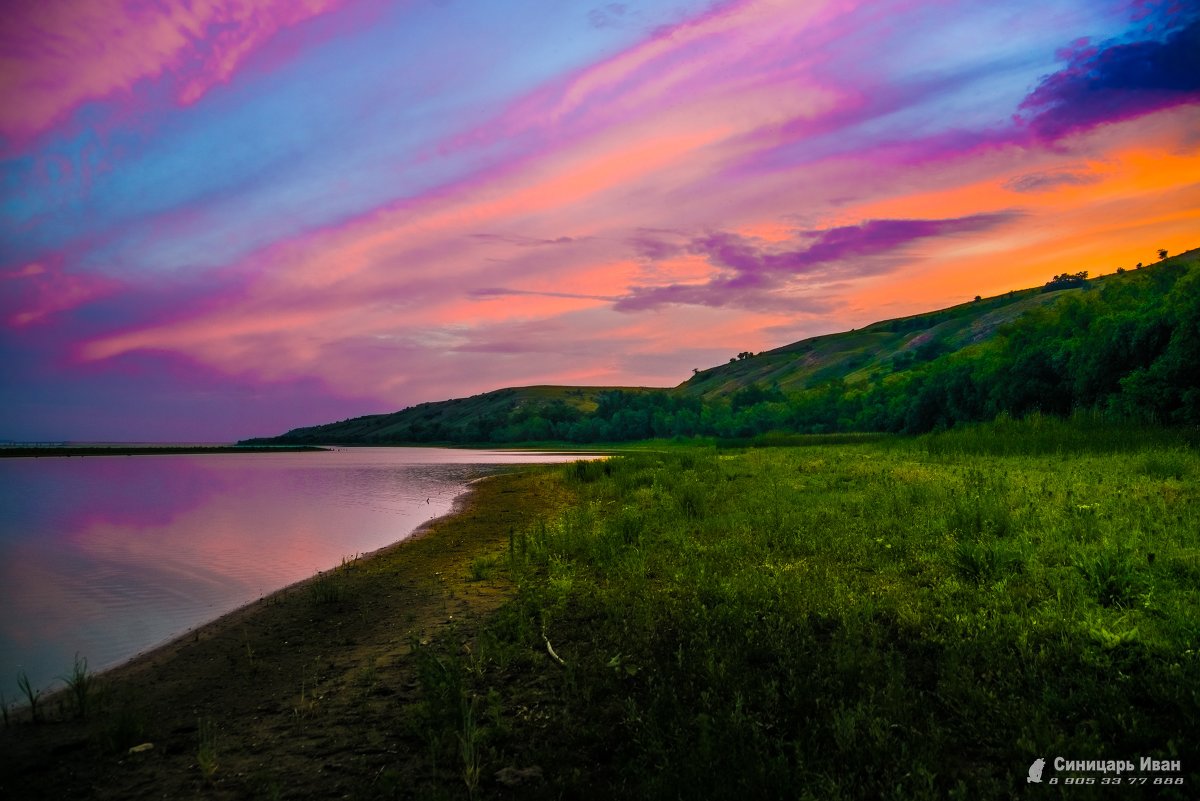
(1125, 346)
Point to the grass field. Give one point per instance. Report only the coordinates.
(909, 618)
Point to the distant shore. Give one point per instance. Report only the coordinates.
(146, 450)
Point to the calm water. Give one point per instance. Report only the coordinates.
(106, 556)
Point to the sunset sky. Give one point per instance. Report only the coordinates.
(227, 218)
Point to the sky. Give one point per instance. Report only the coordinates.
(227, 218)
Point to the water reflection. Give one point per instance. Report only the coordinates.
(106, 556)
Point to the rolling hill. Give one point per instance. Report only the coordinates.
(855, 356)
(1067, 345)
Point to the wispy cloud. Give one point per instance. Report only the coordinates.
(1046, 180)
(54, 56)
(499, 292)
(35, 292)
(750, 273)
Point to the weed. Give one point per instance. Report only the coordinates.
(1110, 576)
(82, 684)
(206, 752)
(585, 472)
(469, 740)
(1110, 637)
(327, 587)
(691, 497)
(306, 704)
(974, 562)
(31, 695)
(483, 567)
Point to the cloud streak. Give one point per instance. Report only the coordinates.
(58, 55)
(750, 274)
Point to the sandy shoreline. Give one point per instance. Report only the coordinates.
(169, 647)
(301, 687)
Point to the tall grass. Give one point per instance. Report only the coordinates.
(32, 696)
(1084, 432)
(912, 619)
(332, 586)
(81, 685)
(206, 749)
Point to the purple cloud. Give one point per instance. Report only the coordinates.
(750, 273)
(650, 244)
(1115, 82)
(1051, 179)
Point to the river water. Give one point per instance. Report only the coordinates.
(108, 556)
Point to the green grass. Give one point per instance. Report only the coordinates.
(330, 586)
(207, 758)
(908, 618)
(1160, 452)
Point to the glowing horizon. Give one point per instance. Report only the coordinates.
(229, 219)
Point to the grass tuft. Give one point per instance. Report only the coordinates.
(32, 696)
(82, 686)
(206, 749)
(1111, 577)
(483, 567)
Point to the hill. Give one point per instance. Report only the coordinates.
(880, 348)
(478, 418)
(1123, 343)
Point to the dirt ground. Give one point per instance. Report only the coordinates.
(299, 695)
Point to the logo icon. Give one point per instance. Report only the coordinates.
(1035, 771)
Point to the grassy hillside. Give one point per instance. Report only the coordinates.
(879, 349)
(458, 419)
(1121, 344)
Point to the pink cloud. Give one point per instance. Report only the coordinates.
(57, 54)
(35, 291)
